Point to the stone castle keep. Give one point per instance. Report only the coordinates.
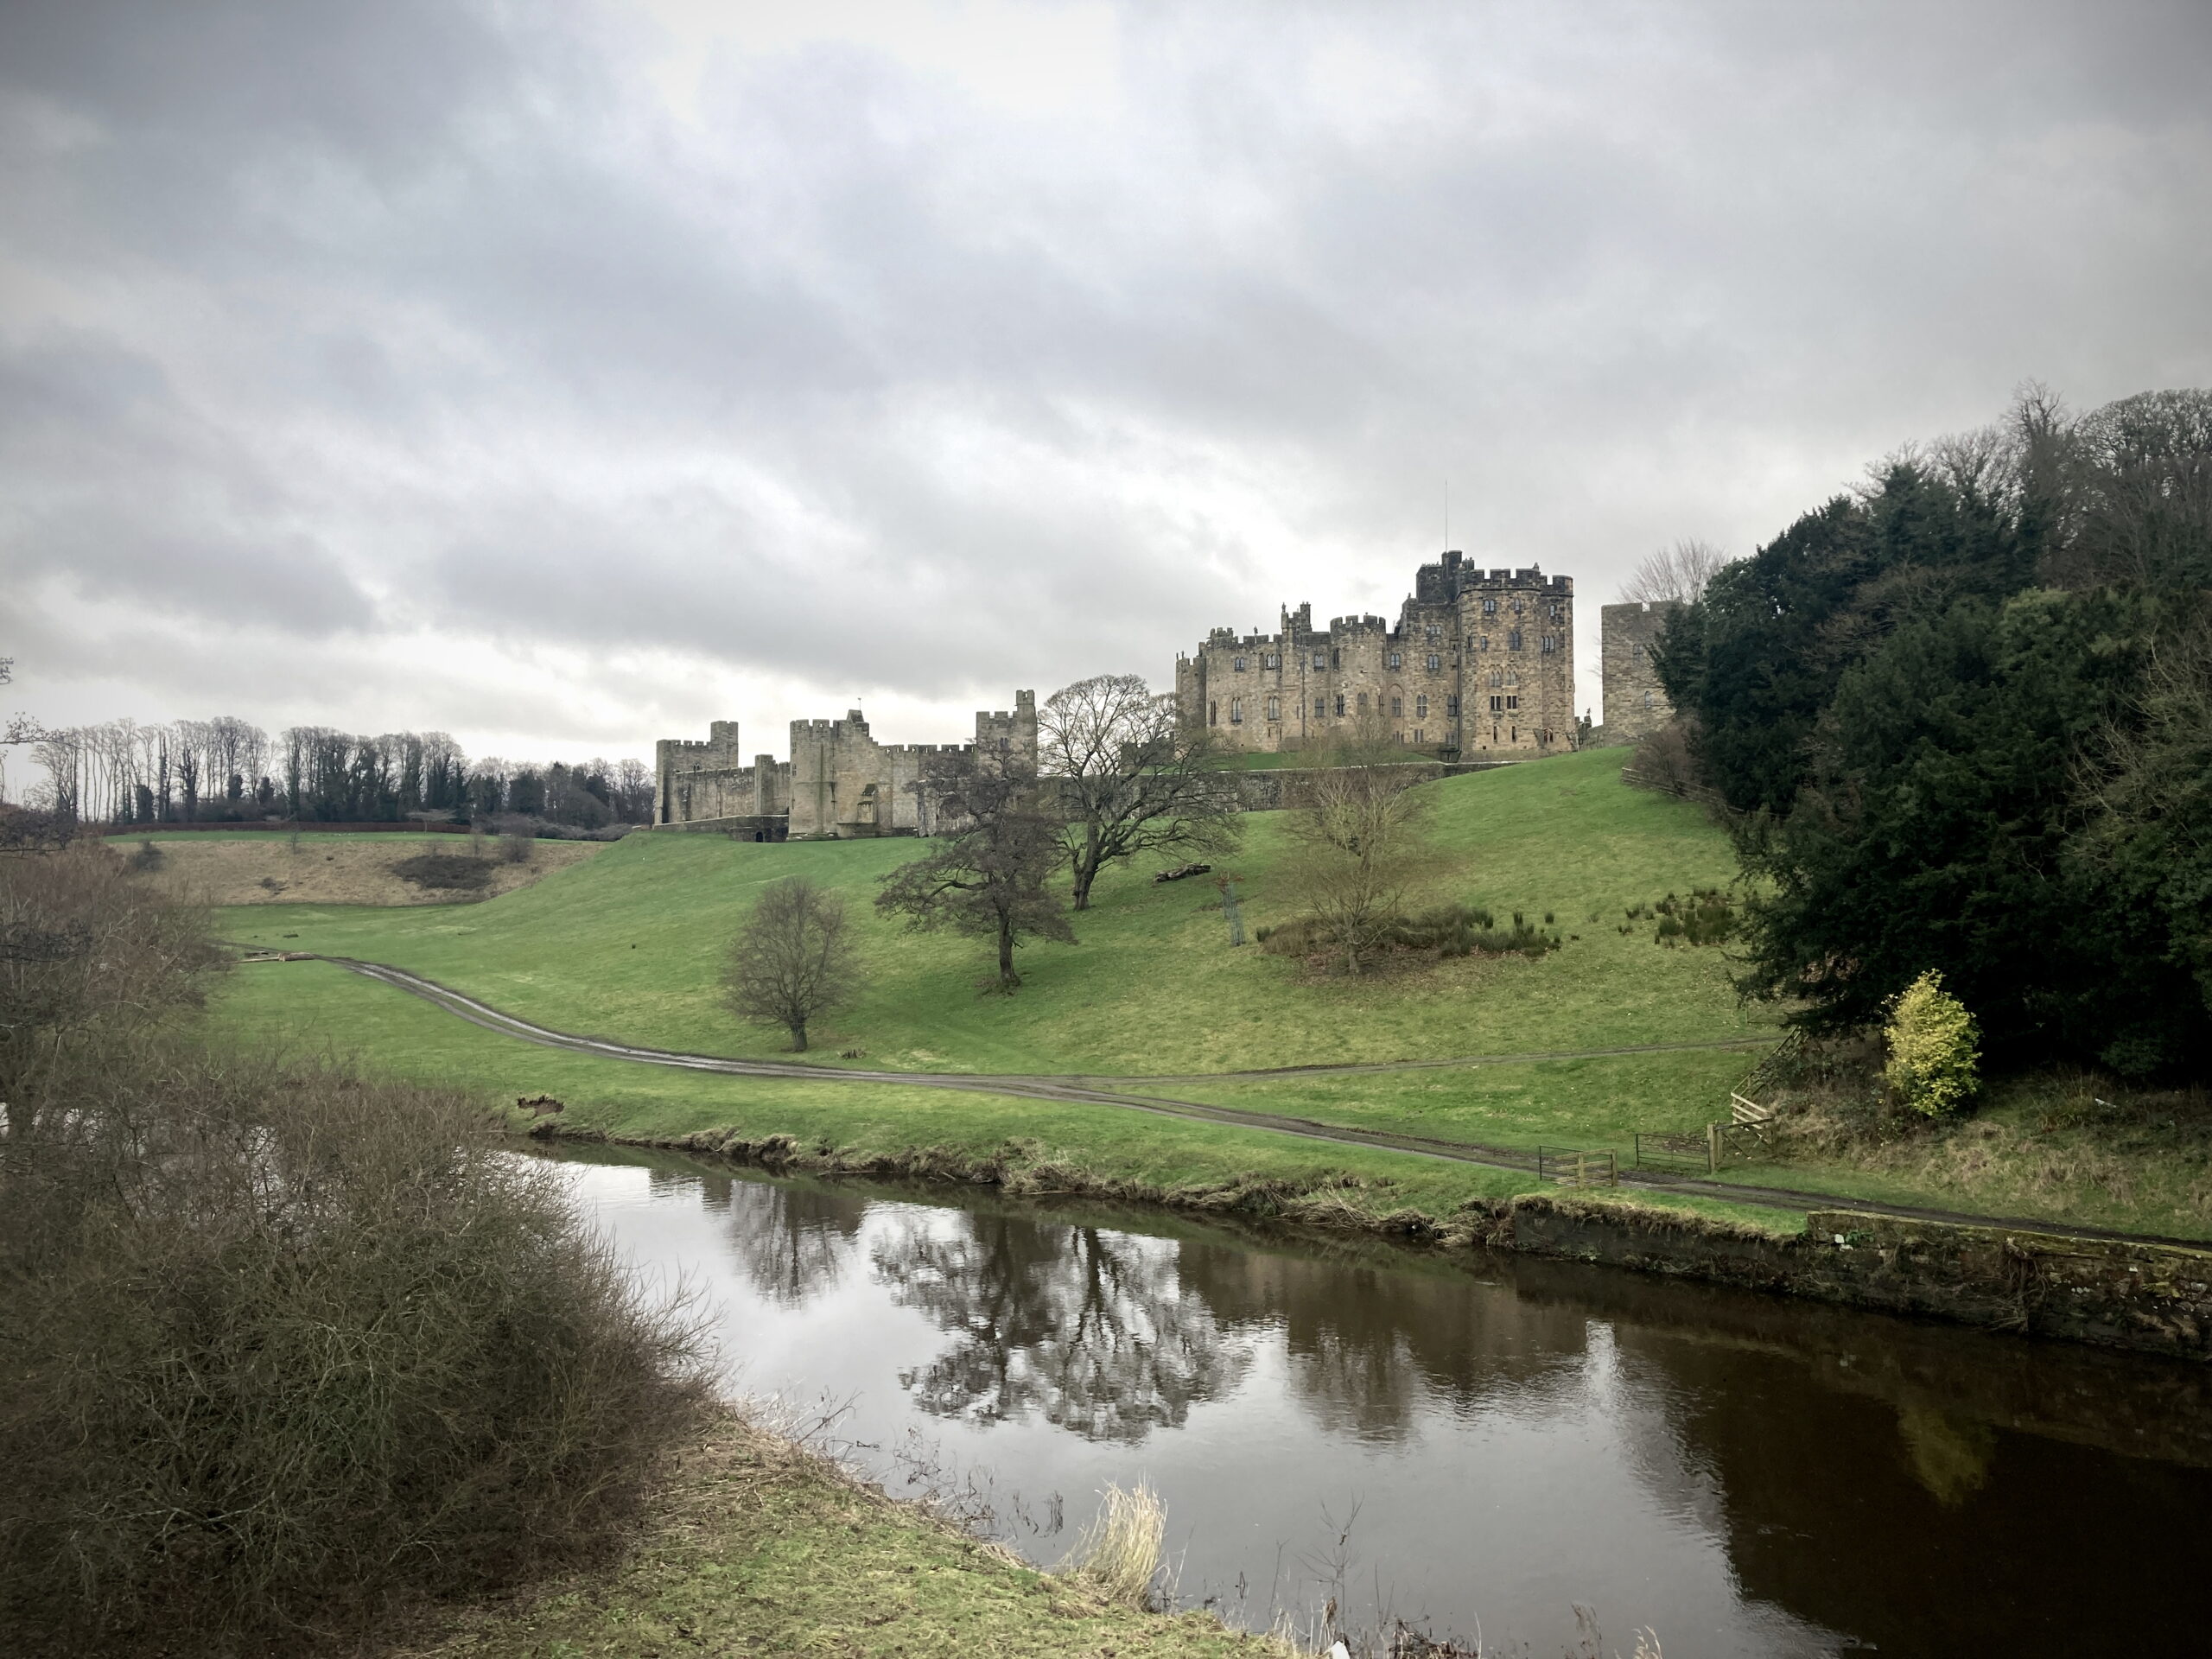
(839, 782)
(1479, 662)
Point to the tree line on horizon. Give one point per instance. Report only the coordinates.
(227, 770)
(1959, 719)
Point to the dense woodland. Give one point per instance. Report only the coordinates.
(1962, 719)
(220, 770)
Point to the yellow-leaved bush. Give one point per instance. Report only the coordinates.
(1935, 1051)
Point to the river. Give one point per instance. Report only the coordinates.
(1474, 1444)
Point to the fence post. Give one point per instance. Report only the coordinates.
(1581, 1169)
(1712, 1149)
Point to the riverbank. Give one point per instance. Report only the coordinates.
(2142, 1296)
(754, 1544)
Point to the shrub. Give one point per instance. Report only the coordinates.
(1706, 917)
(444, 872)
(282, 1345)
(1448, 930)
(1934, 1048)
(279, 1347)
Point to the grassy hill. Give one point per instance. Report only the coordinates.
(629, 945)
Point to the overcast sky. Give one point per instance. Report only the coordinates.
(568, 375)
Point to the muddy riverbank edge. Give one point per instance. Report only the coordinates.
(2148, 1298)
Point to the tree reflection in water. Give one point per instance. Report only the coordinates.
(792, 1241)
(1092, 1330)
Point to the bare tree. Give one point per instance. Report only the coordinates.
(1675, 575)
(1131, 776)
(1359, 845)
(796, 959)
(990, 878)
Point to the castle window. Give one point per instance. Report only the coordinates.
(1419, 735)
(1273, 659)
(1452, 707)
(1236, 711)
(1213, 714)
(1497, 705)
(1239, 665)
(1512, 702)
(1489, 607)
(1433, 636)
(1513, 640)
(1550, 643)
(1397, 707)
(1340, 708)
(1647, 699)
(1320, 659)
(1635, 652)
(1420, 707)
(1402, 737)
(1321, 708)
(1497, 677)
(1275, 708)
(1336, 658)
(1395, 659)
(1363, 702)
(1558, 612)
(1482, 642)
(1435, 662)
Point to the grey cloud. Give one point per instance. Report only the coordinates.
(417, 318)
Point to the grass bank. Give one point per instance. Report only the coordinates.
(1077, 1146)
(756, 1546)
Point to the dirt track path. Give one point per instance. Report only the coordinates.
(1086, 1089)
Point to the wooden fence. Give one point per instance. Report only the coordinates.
(1579, 1166)
(1674, 1155)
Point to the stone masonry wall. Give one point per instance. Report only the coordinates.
(1635, 701)
(2121, 1294)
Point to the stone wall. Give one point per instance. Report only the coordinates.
(2120, 1294)
(1635, 701)
(1477, 663)
(840, 782)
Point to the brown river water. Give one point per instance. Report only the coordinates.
(1476, 1445)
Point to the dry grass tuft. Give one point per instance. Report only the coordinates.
(1120, 1551)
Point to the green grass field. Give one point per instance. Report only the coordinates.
(629, 947)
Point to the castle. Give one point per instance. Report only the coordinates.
(840, 783)
(1479, 663)
(1478, 666)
